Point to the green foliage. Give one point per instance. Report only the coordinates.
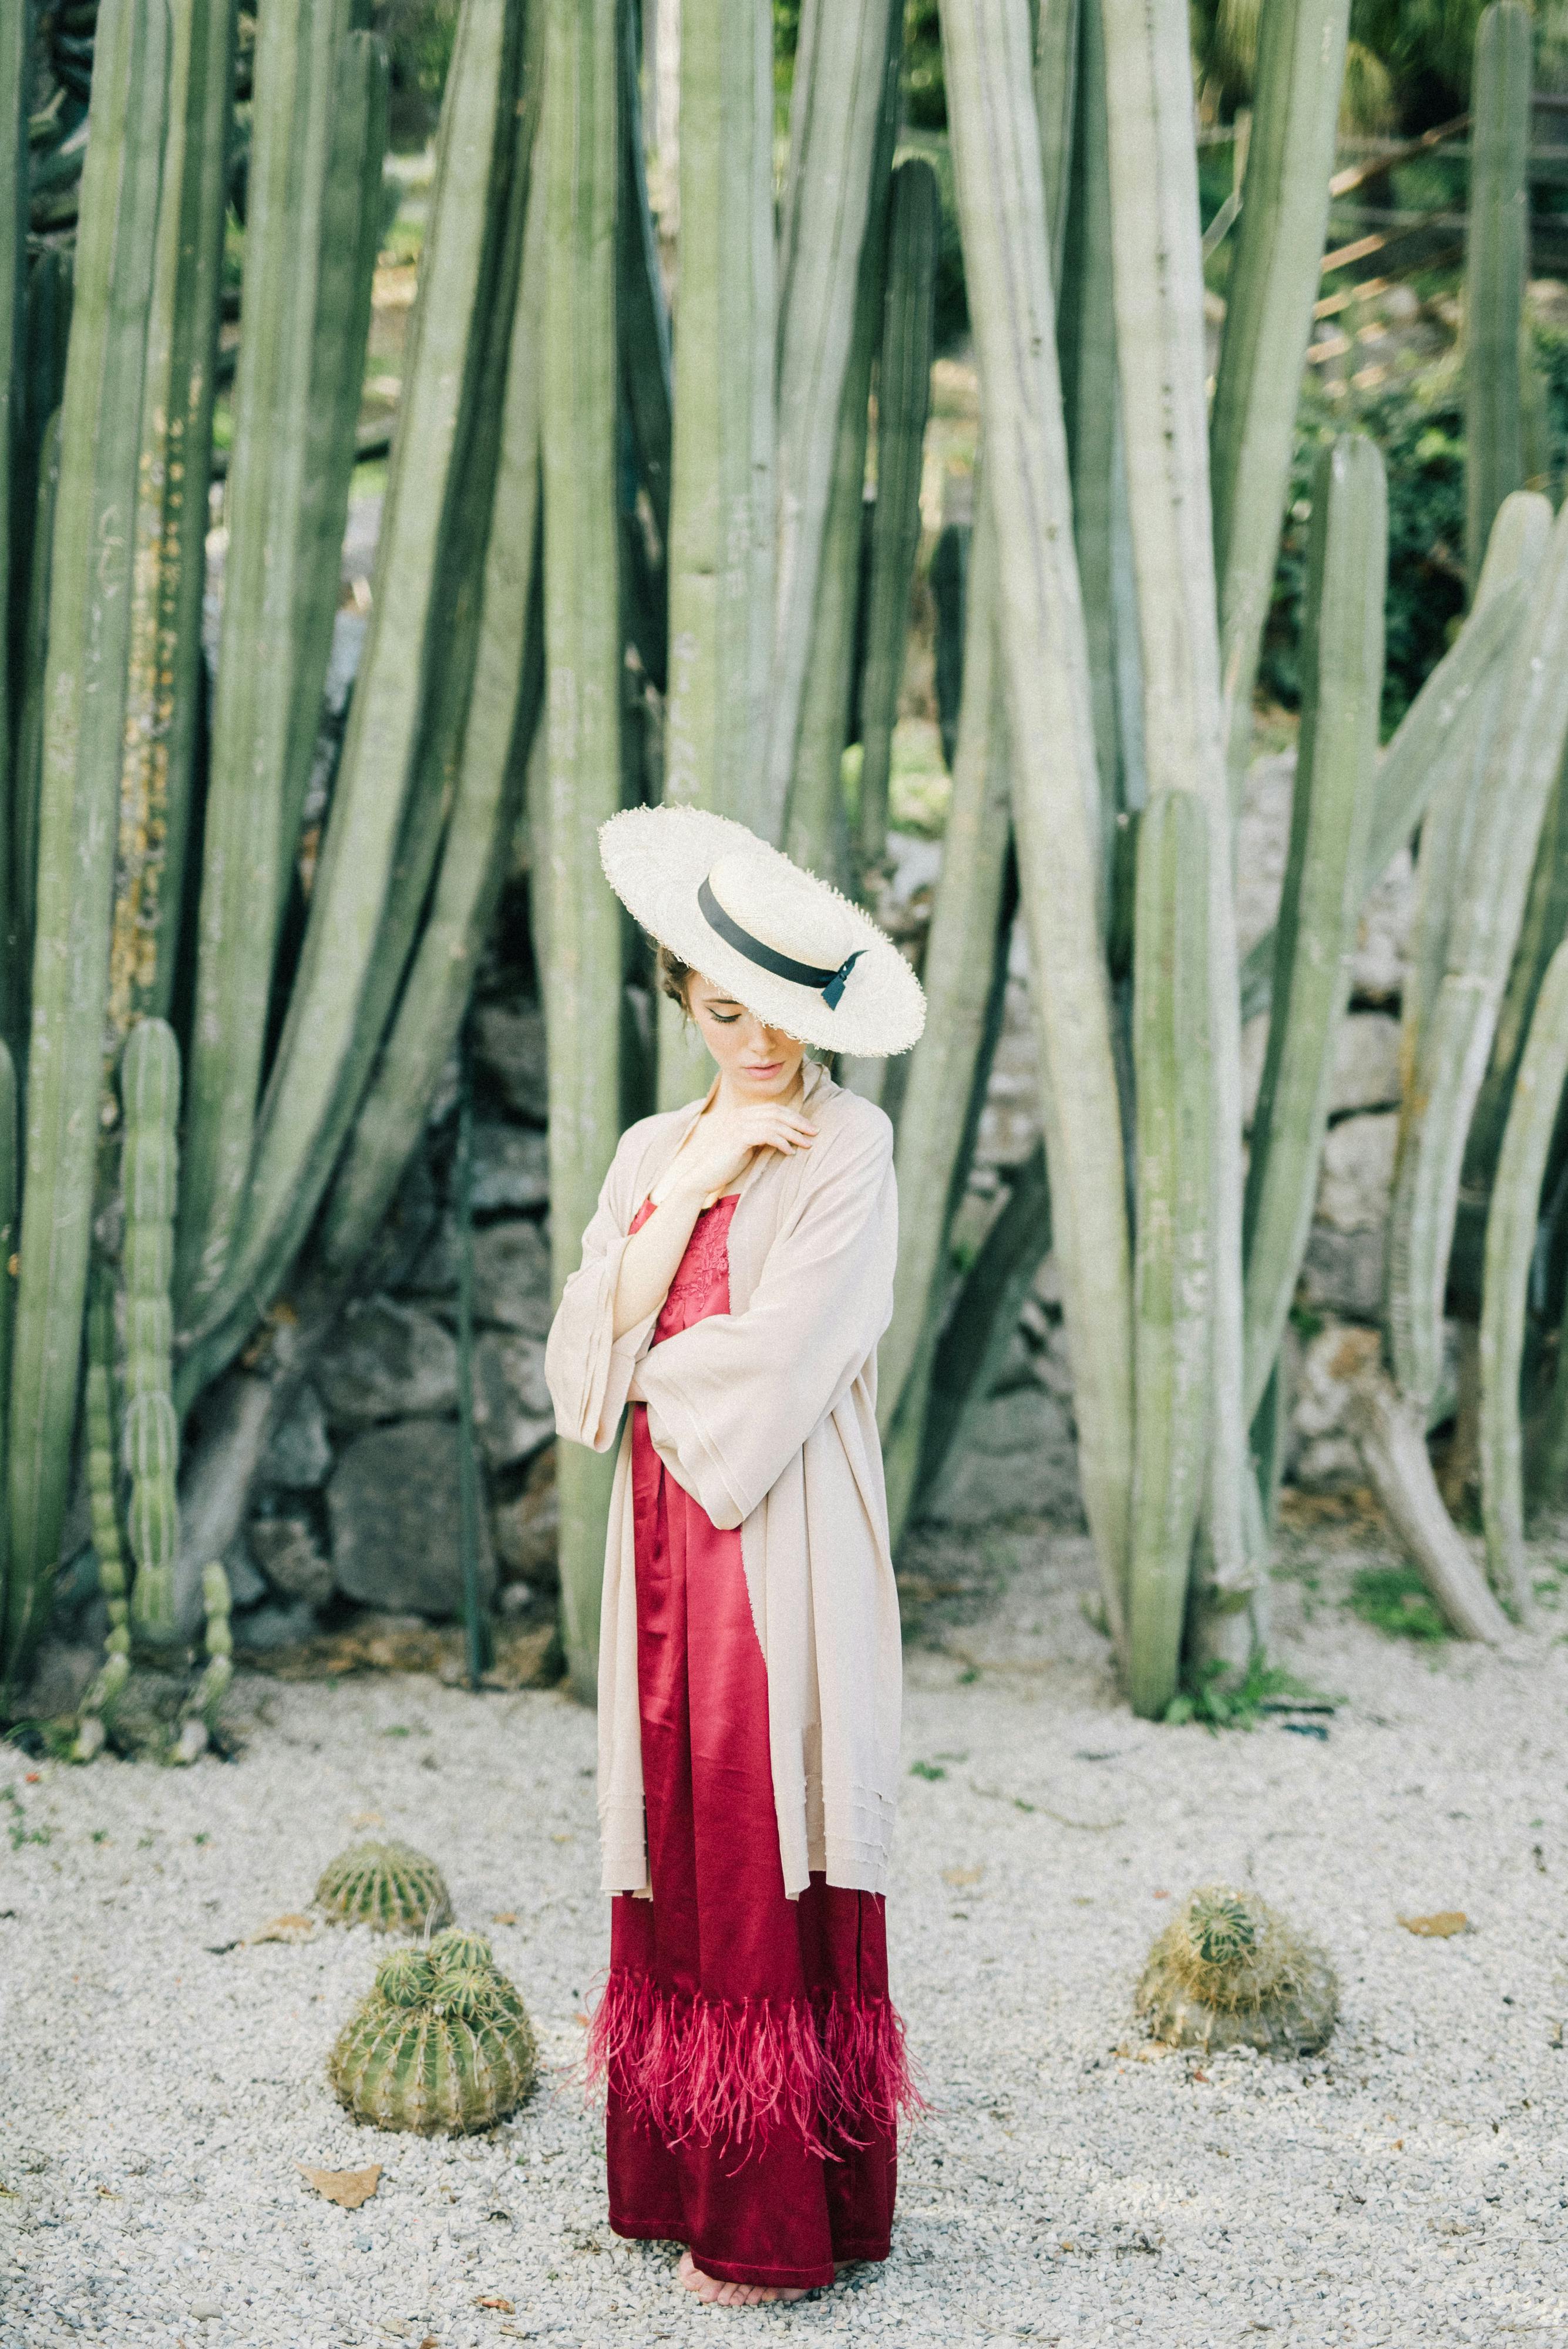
(1395, 1599)
(1417, 424)
(1220, 1696)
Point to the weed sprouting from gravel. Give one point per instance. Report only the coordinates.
(1395, 1599)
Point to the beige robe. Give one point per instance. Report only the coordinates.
(766, 1415)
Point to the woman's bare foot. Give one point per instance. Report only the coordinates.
(731, 2295)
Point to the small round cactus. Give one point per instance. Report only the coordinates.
(442, 2042)
(1227, 1972)
(387, 1886)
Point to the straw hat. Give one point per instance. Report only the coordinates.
(784, 944)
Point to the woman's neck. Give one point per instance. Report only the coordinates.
(727, 1097)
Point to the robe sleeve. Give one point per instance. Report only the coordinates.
(732, 1400)
(587, 1367)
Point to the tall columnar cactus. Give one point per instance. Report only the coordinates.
(503, 718)
(1331, 811)
(150, 1091)
(310, 1101)
(84, 697)
(1513, 1238)
(836, 106)
(1521, 769)
(1158, 280)
(1086, 337)
(720, 554)
(933, 1144)
(1497, 260)
(1273, 282)
(442, 2043)
(1457, 758)
(268, 592)
(582, 640)
(168, 547)
(1171, 1309)
(12, 363)
(903, 402)
(1055, 784)
(816, 824)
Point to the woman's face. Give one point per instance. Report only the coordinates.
(758, 1063)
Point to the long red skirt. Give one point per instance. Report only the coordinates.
(753, 2063)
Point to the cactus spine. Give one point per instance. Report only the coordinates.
(169, 552)
(1330, 814)
(149, 1091)
(1513, 1235)
(839, 81)
(1268, 319)
(1171, 1054)
(903, 401)
(1497, 258)
(581, 999)
(84, 699)
(1055, 785)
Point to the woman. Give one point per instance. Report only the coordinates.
(734, 1281)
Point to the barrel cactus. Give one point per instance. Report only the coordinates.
(443, 2042)
(1229, 1972)
(387, 1886)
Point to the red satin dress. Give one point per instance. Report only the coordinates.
(753, 2062)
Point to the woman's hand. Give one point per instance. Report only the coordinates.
(722, 1142)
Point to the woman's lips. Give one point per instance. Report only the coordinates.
(771, 1070)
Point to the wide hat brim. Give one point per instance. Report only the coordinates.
(656, 860)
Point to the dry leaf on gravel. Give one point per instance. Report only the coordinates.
(493, 2299)
(963, 1875)
(347, 2187)
(1439, 1927)
(503, 1917)
(290, 1927)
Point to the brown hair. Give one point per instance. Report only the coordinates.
(671, 976)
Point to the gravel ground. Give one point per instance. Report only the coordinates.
(163, 2075)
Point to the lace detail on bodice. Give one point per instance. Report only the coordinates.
(700, 1284)
(707, 1258)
